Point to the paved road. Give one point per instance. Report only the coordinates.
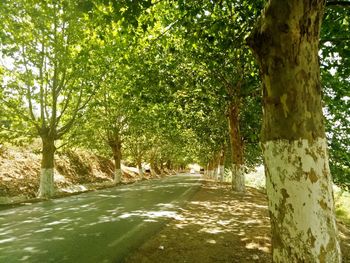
(100, 226)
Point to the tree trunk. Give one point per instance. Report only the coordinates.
(238, 180)
(221, 169)
(215, 168)
(153, 165)
(210, 169)
(115, 143)
(161, 165)
(221, 172)
(139, 166)
(153, 168)
(117, 155)
(168, 165)
(238, 183)
(47, 187)
(157, 170)
(299, 185)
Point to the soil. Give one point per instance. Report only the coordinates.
(75, 171)
(219, 225)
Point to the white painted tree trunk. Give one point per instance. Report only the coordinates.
(46, 188)
(117, 176)
(238, 179)
(221, 172)
(299, 186)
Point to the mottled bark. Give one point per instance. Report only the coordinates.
(238, 179)
(299, 185)
(238, 183)
(299, 188)
(46, 188)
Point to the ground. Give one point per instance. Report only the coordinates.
(75, 171)
(216, 225)
(219, 225)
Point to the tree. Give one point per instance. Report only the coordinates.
(213, 34)
(335, 71)
(50, 80)
(299, 185)
(104, 125)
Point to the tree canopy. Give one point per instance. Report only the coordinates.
(159, 74)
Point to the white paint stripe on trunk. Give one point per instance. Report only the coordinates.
(299, 188)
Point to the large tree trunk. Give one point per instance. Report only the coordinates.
(299, 185)
(46, 188)
(238, 182)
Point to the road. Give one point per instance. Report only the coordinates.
(99, 226)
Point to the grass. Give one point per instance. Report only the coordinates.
(342, 206)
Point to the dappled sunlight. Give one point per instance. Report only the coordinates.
(222, 218)
(104, 218)
(212, 241)
(43, 230)
(225, 223)
(259, 246)
(212, 230)
(147, 215)
(162, 205)
(2, 241)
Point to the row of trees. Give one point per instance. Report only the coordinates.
(103, 75)
(174, 82)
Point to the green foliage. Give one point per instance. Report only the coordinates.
(335, 70)
(159, 75)
(49, 52)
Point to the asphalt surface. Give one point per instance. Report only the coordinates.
(100, 226)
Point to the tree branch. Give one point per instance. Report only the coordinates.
(23, 115)
(29, 92)
(41, 76)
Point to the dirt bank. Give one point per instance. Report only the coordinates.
(75, 171)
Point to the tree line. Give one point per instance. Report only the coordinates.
(174, 82)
